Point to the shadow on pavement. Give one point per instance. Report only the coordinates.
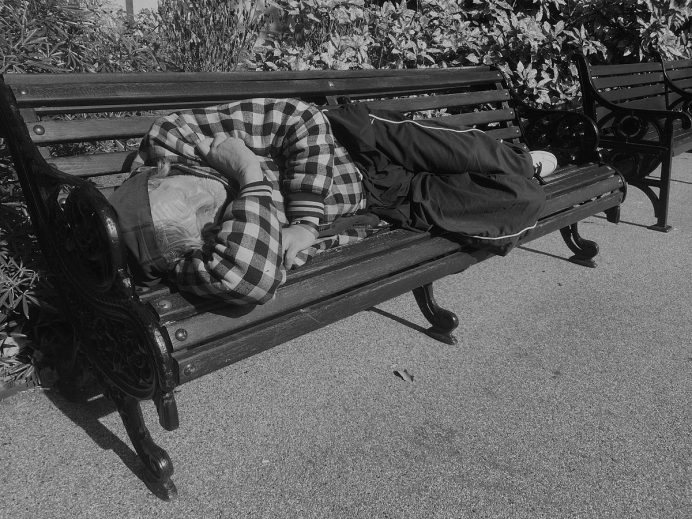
(85, 410)
(624, 222)
(398, 319)
(536, 251)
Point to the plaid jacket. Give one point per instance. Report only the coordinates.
(308, 177)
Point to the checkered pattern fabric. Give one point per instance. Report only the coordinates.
(243, 260)
(308, 177)
(312, 176)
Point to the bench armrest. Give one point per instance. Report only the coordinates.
(570, 135)
(78, 232)
(647, 114)
(71, 217)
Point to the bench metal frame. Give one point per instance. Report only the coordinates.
(643, 122)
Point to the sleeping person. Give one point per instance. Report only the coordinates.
(223, 200)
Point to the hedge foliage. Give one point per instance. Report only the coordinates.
(530, 40)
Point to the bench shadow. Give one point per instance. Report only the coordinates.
(625, 222)
(85, 410)
(398, 319)
(536, 251)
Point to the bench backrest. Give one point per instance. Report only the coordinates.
(82, 108)
(636, 85)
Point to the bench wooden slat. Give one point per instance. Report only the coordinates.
(440, 101)
(212, 93)
(574, 177)
(474, 118)
(239, 87)
(574, 197)
(679, 74)
(627, 81)
(678, 63)
(685, 84)
(649, 103)
(412, 104)
(572, 214)
(19, 81)
(628, 68)
(53, 132)
(504, 133)
(95, 165)
(626, 94)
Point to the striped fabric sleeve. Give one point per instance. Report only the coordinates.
(242, 263)
(308, 148)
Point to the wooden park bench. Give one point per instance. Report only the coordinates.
(144, 342)
(643, 122)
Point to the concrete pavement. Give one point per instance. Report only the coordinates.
(568, 396)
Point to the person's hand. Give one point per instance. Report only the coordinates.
(232, 158)
(294, 239)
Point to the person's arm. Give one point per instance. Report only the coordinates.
(307, 147)
(242, 263)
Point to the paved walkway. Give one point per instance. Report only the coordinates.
(568, 396)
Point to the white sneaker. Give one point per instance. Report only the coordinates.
(544, 162)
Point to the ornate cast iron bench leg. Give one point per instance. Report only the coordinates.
(158, 469)
(659, 205)
(661, 209)
(443, 321)
(584, 250)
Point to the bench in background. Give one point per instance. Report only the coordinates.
(144, 342)
(643, 122)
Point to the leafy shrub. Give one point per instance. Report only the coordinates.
(18, 262)
(310, 34)
(50, 36)
(210, 35)
(42, 36)
(528, 39)
(122, 45)
(19, 277)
